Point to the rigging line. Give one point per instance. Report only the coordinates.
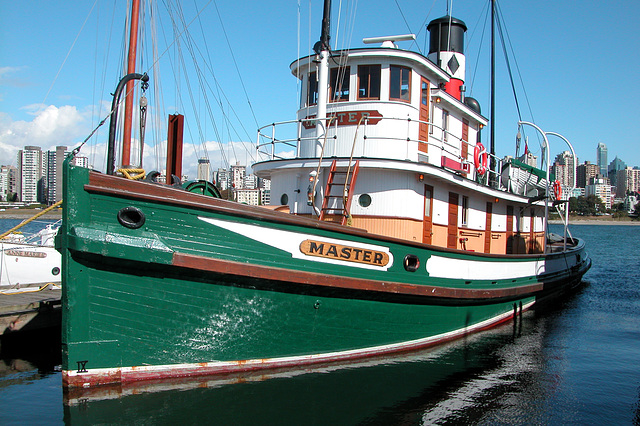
(95, 72)
(186, 27)
(104, 66)
(220, 91)
(69, 52)
(408, 27)
(122, 98)
(484, 28)
(224, 31)
(157, 87)
(342, 60)
(182, 63)
(424, 26)
(504, 51)
(207, 61)
(338, 22)
(517, 66)
(201, 81)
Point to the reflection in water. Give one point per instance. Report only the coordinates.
(455, 382)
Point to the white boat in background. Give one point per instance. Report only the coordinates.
(29, 261)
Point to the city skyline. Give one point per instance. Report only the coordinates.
(46, 102)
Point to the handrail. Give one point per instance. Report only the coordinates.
(546, 198)
(575, 160)
(451, 146)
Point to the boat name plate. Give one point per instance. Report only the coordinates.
(342, 252)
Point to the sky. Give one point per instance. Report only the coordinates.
(578, 62)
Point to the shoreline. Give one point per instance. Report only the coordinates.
(27, 213)
(594, 221)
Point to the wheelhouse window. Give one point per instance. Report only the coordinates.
(339, 82)
(312, 89)
(400, 83)
(368, 82)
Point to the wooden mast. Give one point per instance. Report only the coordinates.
(131, 65)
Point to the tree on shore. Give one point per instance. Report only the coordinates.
(586, 206)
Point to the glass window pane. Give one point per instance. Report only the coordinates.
(312, 89)
(425, 93)
(427, 202)
(339, 82)
(369, 82)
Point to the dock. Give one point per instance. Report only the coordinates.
(30, 310)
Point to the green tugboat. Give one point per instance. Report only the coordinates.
(394, 232)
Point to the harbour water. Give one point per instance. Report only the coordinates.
(574, 362)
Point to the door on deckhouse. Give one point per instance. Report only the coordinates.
(509, 235)
(452, 228)
(423, 132)
(427, 223)
(487, 229)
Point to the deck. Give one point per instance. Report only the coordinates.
(32, 310)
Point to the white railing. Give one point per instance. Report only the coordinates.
(296, 132)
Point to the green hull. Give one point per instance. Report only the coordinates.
(205, 286)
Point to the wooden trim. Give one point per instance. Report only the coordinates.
(297, 277)
(423, 128)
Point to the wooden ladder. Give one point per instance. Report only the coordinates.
(344, 183)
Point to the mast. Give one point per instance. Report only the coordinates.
(131, 65)
(492, 161)
(323, 49)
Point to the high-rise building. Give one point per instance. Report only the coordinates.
(584, 172)
(8, 182)
(204, 169)
(221, 179)
(81, 161)
(238, 173)
(54, 173)
(31, 168)
(616, 165)
(564, 168)
(628, 181)
(601, 188)
(250, 182)
(601, 155)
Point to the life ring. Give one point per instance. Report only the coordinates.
(557, 189)
(480, 158)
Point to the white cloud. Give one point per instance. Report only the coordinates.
(50, 127)
(66, 125)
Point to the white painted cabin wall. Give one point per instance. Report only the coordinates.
(392, 195)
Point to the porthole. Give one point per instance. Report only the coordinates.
(55, 271)
(364, 200)
(284, 200)
(131, 217)
(411, 263)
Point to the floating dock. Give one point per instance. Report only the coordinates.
(30, 310)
